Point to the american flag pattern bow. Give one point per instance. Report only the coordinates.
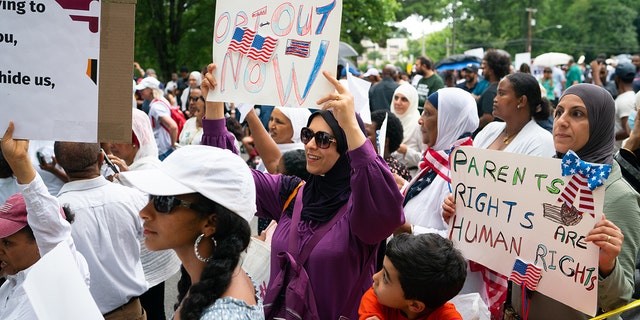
(525, 274)
(438, 161)
(585, 178)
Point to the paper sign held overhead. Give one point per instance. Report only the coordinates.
(53, 80)
(509, 207)
(273, 52)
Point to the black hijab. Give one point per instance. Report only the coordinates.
(601, 112)
(324, 195)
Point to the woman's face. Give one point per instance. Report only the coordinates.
(505, 104)
(280, 127)
(320, 161)
(193, 82)
(125, 151)
(176, 230)
(429, 124)
(571, 124)
(18, 251)
(400, 103)
(547, 73)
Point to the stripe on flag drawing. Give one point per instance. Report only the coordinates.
(262, 48)
(241, 40)
(526, 274)
(297, 48)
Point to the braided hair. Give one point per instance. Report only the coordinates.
(232, 237)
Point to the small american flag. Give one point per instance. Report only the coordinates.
(525, 273)
(297, 48)
(241, 40)
(495, 287)
(262, 48)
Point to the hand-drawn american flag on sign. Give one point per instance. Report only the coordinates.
(526, 274)
(262, 48)
(297, 48)
(241, 40)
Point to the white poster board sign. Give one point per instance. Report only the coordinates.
(272, 52)
(507, 207)
(523, 57)
(56, 289)
(48, 69)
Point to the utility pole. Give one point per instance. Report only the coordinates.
(530, 20)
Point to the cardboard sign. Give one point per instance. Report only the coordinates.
(52, 73)
(273, 52)
(508, 208)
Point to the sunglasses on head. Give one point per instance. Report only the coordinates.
(323, 139)
(164, 204)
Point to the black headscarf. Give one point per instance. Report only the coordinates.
(601, 112)
(324, 195)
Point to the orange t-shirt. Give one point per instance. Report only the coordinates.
(369, 306)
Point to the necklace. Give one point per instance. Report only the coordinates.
(507, 138)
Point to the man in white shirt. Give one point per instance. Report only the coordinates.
(165, 129)
(107, 230)
(624, 74)
(31, 224)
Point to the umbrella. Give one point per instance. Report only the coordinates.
(346, 50)
(550, 59)
(456, 62)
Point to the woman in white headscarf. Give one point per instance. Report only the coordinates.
(405, 106)
(448, 120)
(142, 154)
(283, 135)
(195, 79)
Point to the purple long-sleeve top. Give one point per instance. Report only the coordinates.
(337, 261)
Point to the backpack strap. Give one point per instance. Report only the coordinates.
(317, 235)
(292, 196)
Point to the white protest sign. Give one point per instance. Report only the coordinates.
(56, 290)
(48, 69)
(507, 207)
(273, 52)
(359, 88)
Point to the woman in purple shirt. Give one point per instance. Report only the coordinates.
(345, 171)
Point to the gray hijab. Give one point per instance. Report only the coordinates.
(601, 112)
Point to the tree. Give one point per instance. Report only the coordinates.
(367, 19)
(170, 33)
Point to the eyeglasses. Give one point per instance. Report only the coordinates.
(323, 139)
(194, 99)
(164, 204)
(547, 71)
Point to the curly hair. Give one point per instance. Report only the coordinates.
(232, 238)
(499, 61)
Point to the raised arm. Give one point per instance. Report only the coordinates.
(214, 128)
(343, 110)
(268, 148)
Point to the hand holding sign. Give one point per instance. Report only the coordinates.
(606, 235)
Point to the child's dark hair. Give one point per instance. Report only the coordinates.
(232, 238)
(295, 164)
(524, 84)
(394, 127)
(430, 269)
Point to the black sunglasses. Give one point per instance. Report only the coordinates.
(164, 204)
(196, 98)
(323, 139)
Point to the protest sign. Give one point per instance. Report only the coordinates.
(511, 206)
(272, 52)
(52, 73)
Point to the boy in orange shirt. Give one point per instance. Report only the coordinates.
(419, 275)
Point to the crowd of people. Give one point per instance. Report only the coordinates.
(358, 220)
